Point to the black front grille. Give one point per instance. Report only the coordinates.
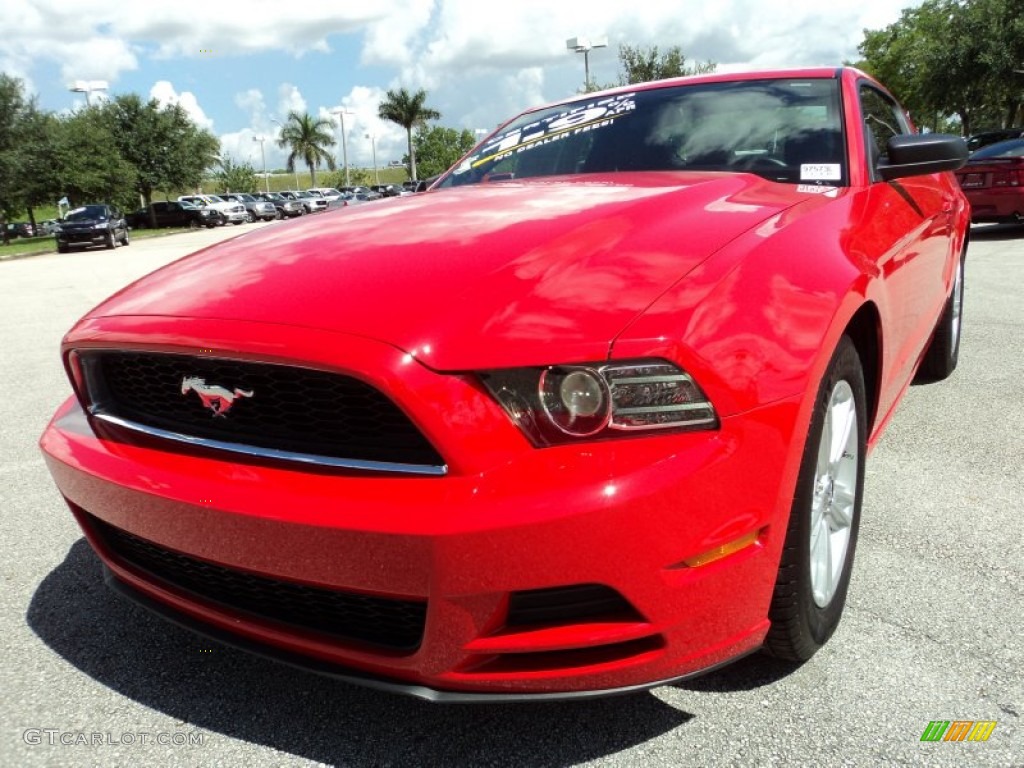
(299, 410)
(396, 625)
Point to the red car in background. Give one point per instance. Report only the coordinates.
(993, 180)
(590, 415)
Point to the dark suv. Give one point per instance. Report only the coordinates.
(92, 225)
(173, 214)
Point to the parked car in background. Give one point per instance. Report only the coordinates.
(311, 203)
(286, 206)
(355, 198)
(20, 229)
(330, 194)
(591, 417)
(171, 213)
(92, 225)
(363, 193)
(984, 138)
(993, 180)
(230, 211)
(386, 190)
(258, 210)
(49, 226)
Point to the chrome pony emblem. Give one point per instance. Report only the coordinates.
(215, 397)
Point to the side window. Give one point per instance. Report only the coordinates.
(883, 119)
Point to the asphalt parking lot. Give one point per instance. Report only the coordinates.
(932, 631)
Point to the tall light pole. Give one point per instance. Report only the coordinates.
(263, 154)
(585, 45)
(373, 144)
(344, 144)
(88, 87)
(295, 169)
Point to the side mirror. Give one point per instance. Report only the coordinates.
(921, 154)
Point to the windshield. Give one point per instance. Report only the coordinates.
(1012, 148)
(87, 212)
(785, 130)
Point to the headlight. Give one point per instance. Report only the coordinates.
(561, 403)
(100, 225)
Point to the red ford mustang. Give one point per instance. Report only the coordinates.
(588, 416)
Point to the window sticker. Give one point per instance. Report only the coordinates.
(578, 119)
(820, 172)
(817, 189)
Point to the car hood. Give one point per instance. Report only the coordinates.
(512, 273)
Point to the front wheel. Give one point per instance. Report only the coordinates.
(944, 349)
(125, 240)
(109, 240)
(250, 217)
(817, 557)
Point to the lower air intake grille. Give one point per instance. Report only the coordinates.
(557, 605)
(387, 623)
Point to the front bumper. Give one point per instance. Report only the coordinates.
(83, 237)
(623, 514)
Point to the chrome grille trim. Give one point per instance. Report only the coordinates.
(269, 453)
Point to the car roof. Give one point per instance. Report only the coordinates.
(718, 77)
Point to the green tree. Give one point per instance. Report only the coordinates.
(307, 138)
(236, 177)
(162, 144)
(407, 110)
(88, 166)
(952, 57)
(358, 177)
(438, 148)
(12, 109)
(641, 65)
(36, 169)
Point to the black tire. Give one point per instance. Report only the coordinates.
(943, 351)
(126, 240)
(109, 240)
(277, 214)
(803, 613)
(62, 248)
(250, 217)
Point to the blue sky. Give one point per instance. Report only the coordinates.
(237, 67)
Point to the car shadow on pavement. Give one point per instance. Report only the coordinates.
(223, 690)
(754, 671)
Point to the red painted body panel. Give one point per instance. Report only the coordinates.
(744, 283)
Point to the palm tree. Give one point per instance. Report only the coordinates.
(307, 137)
(407, 109)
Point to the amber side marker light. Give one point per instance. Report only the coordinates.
(723, 551)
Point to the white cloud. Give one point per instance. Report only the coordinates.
(163, 91)
(479, 62)
(289, 99)
(364, 130)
